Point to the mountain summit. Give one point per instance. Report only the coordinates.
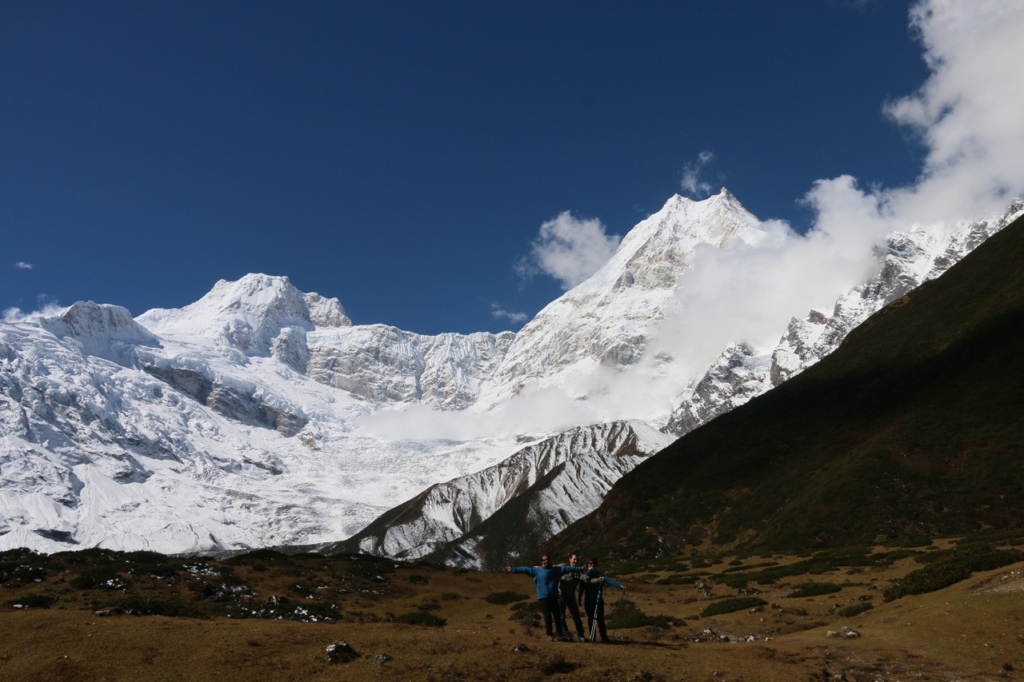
(606, 320)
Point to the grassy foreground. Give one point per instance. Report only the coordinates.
(81, 616)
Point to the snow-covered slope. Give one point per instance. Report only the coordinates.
(200, 432)
(252, 417)
(578, 466)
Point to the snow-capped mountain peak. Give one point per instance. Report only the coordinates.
(249, 314)
(106, 331)
(606, 320)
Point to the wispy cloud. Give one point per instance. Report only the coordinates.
(499, 313)
(692, 184)
(569, 249)
(47, 306)
(967, 114)
(21, 265)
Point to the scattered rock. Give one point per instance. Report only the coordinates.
(382, 658)
(845, 632)
(341, 652)
(1007, 667)
(520, 649)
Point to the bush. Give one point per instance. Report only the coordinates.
(625, 614)
(731, 605)
(419, 579)
(421, 618)
(678, 579)
(142, 606)
(556, 664)
(33, 601)
(526, 611)
(949, 567)
(504, 598)
(737, 581)
(814, 589)
(102, 577)
(854, 609)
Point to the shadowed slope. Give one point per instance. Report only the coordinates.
(911, 428)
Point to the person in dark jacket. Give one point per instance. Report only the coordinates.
(547, 576)
(592, 585)
(568, 585)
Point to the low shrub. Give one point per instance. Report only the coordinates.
(528, 612)
(949, 567)
(731, 605)
(737, 581)
(421, 618)
(555, 664)
(814, 589)
(678, 580)
(854, 609)
(143, 606)
(33, 601)
(101, 577)
(624, 614)
(504, 598)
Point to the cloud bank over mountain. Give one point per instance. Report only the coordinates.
(966, 114)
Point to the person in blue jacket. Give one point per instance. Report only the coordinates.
(547, 577)
(592, 588)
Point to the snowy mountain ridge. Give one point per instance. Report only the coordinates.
(245, 419)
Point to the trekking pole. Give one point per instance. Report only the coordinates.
(593, 622)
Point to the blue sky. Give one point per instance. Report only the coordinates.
(402, 156)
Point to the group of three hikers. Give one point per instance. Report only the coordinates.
(569, 587)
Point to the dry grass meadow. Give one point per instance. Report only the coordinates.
(50, 628)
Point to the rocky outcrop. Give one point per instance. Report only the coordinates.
(383, 364)
(229, 402)
(539, 491)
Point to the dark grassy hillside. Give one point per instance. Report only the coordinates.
(913, 428)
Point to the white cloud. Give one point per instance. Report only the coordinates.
(569, 249)
(533, 411)
(691, 183)
(500, 313)
(967, 114)
(21, 265)
(47, 308)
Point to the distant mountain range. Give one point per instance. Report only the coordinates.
(910, 430)
(261, 416)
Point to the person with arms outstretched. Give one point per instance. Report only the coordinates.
(567, 588)
(547, 576)
(592, 585)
